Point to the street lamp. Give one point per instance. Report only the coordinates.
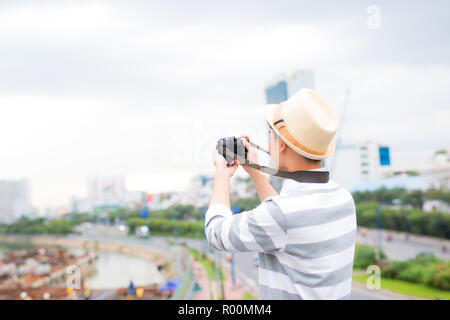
(380, 205)
(379, 232)
(205, 243)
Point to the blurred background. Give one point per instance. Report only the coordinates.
(110, 112)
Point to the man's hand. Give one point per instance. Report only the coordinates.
(262, 185)
(221, 189)
(222, 167)
(252, 156)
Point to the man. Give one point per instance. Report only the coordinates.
(305, 236)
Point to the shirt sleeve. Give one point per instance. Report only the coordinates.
(262, 229)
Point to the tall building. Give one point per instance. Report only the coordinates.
(277, 93)
(289, 85)
(15, 200)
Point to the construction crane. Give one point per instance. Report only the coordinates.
(339, 133)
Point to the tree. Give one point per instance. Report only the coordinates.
(59, 226)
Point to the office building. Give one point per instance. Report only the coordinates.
(353, 163)
(15, 200)
(287, 86)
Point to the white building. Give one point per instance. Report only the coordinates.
(80, 205)
(434, 174)
(439, 205)
(15, 200)
(106, 191)
(199, 191)
(436, 171)
(352, 163)
(162, 200)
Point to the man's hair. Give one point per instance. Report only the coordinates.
(311, 161)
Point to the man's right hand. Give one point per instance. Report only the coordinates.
(252, 155)
(262, 185)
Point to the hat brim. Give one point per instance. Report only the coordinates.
(268, 114)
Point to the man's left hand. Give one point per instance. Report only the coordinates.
(222, 167)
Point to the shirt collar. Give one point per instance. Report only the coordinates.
(289, 185)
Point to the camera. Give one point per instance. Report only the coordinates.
(231, 148)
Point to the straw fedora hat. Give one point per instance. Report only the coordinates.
(306, 123)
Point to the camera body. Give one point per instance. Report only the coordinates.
(231, 148)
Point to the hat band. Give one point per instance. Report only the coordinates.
(279, 124)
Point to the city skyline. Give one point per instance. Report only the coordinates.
(132, 90)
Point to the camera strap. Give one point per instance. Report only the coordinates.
(299, 176)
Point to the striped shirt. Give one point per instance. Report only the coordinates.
(305, 238)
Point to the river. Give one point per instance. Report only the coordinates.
(114, 270)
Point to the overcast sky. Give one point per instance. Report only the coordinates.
(143, 89)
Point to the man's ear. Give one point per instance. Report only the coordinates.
(283, 146)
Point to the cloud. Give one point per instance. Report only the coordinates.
(145, 89)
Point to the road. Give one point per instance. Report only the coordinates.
(403, 248)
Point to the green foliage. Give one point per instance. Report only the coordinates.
(438, 194)
(365, 256)
(59, 226)
(415, 198)
(424, 268)
(248, 296)
(38, 226)
(381, 195)
(408, 288)
(133, 223)
(179, 212)
(246, 204)
(435, 224)
(122, 214)
(78, 218)
(184, 228)
(366, 214)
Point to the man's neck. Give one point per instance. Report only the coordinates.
(301, 167)
(292, 161)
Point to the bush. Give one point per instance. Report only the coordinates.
(365, 256)
(441, 277)
(38, 226)
(59, 226)
(167, 226)
(133, 223)
(425, 269)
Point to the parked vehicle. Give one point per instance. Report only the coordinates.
(142, 232)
